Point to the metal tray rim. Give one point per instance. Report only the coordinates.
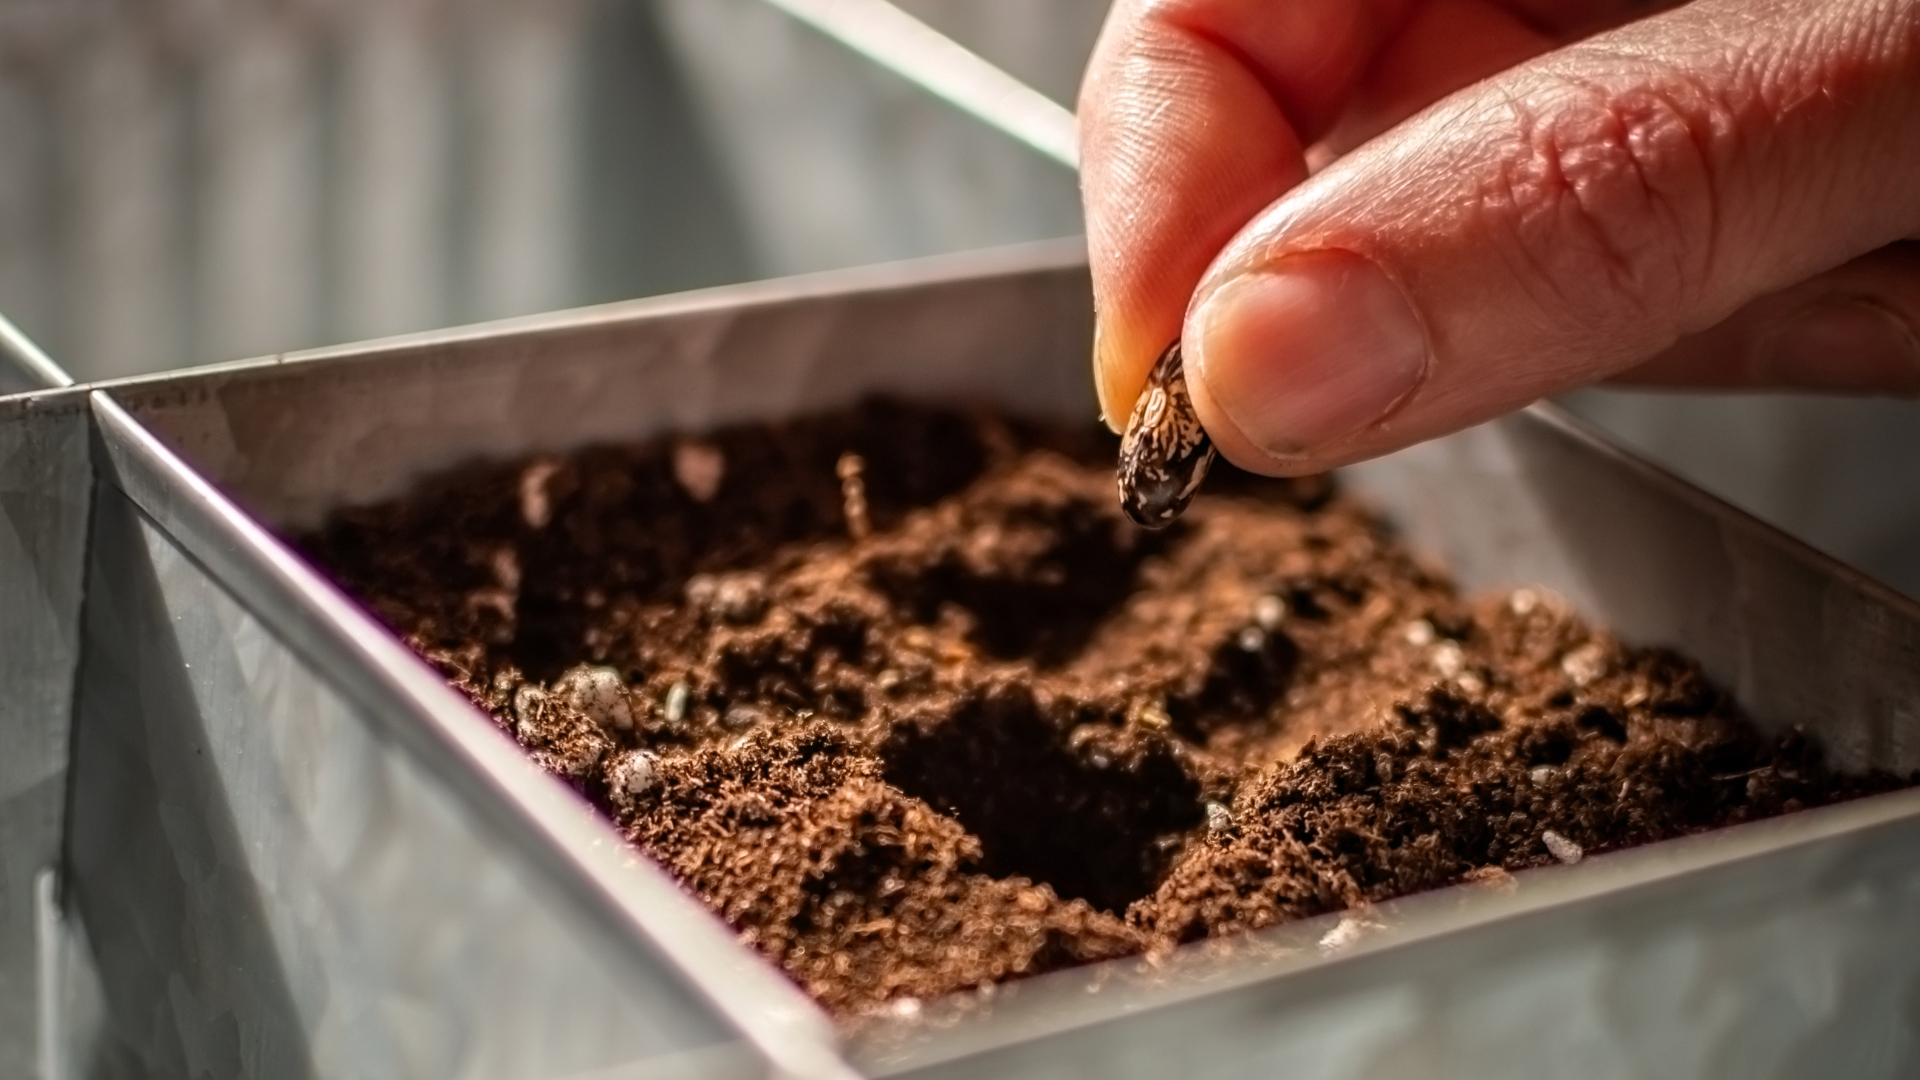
(903, 275)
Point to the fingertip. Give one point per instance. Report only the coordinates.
(1182, 143)
(1231, 444)
(1118, 373)
(1307, 353)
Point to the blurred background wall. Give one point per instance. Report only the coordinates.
(1043, 43)
(198, 180)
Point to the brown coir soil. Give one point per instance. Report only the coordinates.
(1004, 731)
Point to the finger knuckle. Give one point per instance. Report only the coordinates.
(1612, 194)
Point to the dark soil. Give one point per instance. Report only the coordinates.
(1006, 731)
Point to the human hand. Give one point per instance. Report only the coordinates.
(1713, 195)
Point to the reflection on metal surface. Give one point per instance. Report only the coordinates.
(68, 993)
(197, 184)
(1834, 471)
(23, 366)
(45, 480)
(890, 37)
(1043, 43)
(1648, 960)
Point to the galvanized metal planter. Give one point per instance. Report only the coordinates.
(351, 872)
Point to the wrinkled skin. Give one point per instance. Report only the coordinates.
(1371, 222)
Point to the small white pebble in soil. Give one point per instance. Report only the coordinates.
(1251, 639)
(741, 598)
(1541, 774)
(1585, 664)
(1383, 765)
(599, 692)
(737, 598)
(1448, 660)
(906, 1008)
(1269, 612)
(536, 508)
(700, 468)
(527, 703)
(1562, 848)
(674, 709)
(1219, 818)
(1470, 684)
(1419, 633)
(633, 774)
(1523, 601)
(700, 590)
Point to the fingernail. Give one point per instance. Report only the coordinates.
(1315, 348)
(1102, 364)
(1847, 343)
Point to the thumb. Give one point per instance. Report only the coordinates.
(1563, 222)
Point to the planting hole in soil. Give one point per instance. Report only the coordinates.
(1090, 829)
(903, 696)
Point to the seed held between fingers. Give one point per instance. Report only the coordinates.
(1165, 453)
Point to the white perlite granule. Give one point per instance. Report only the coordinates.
(1562, 848)
(633, 774)
(599, 692)
(1269, 612)
(1585, 664)
(1219, 818)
